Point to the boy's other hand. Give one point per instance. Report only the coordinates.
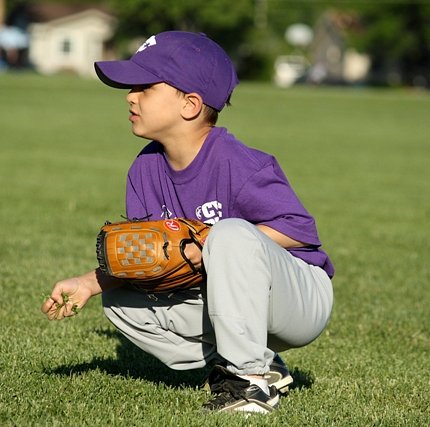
(66, 299)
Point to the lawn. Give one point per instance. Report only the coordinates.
(358, 158)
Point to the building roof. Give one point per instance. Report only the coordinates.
(45, 12)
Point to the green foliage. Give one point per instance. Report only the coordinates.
(397, 37)
(359, 161)
(395, 33)
(231, 24)
(142, 18)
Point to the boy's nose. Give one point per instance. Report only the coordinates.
(130, 98)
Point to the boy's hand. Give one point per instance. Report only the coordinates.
(194, 254)
(66, 299)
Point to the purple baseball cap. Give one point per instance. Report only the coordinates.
(189, 62)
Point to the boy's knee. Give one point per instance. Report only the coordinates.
(230, 237)
(230, 229)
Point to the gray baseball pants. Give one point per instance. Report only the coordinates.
(258, 299)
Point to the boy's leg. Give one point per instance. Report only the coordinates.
(174, 328)
(257, 291)
(254, 288)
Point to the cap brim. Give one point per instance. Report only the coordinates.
(124, 74)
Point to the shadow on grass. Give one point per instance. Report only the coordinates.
(302, 379)
(132, 362)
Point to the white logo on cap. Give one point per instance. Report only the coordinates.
(150, 42)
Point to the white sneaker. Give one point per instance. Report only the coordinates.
(233, 393)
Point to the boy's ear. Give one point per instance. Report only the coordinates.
(193, 105)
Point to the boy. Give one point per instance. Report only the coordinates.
(268, 284)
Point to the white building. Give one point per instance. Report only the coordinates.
(71, 43)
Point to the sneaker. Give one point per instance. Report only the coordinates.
(233, 393)
(279, 375)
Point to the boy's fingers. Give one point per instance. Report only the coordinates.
(56, 313)
(46, 306)
(52, 313)
(59, 312)
(59, 305)
(69, 309)
(57, 295)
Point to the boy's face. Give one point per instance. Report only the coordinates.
(154, 111)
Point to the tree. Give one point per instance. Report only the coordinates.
(397, 37)
(228, 22)
(394, 33)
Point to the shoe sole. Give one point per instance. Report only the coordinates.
(254, 406)
(257, 407)
(282, 384)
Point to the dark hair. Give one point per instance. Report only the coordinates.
(210, 114)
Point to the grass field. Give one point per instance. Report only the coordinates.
(359, 160)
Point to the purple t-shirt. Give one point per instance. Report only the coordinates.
(226, 179)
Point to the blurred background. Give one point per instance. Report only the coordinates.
(378, 43)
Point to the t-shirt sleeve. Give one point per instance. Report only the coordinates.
(267, 198)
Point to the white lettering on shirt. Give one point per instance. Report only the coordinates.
(209, 212)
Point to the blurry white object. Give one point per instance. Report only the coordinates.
(355, 66)
(299, 35)
(13, 38)
(288, 69)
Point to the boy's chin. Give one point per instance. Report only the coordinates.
(139, 134)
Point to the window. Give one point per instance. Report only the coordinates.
(66, 46)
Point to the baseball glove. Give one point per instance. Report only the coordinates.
(151, 254)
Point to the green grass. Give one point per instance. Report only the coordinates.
(359, 160)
